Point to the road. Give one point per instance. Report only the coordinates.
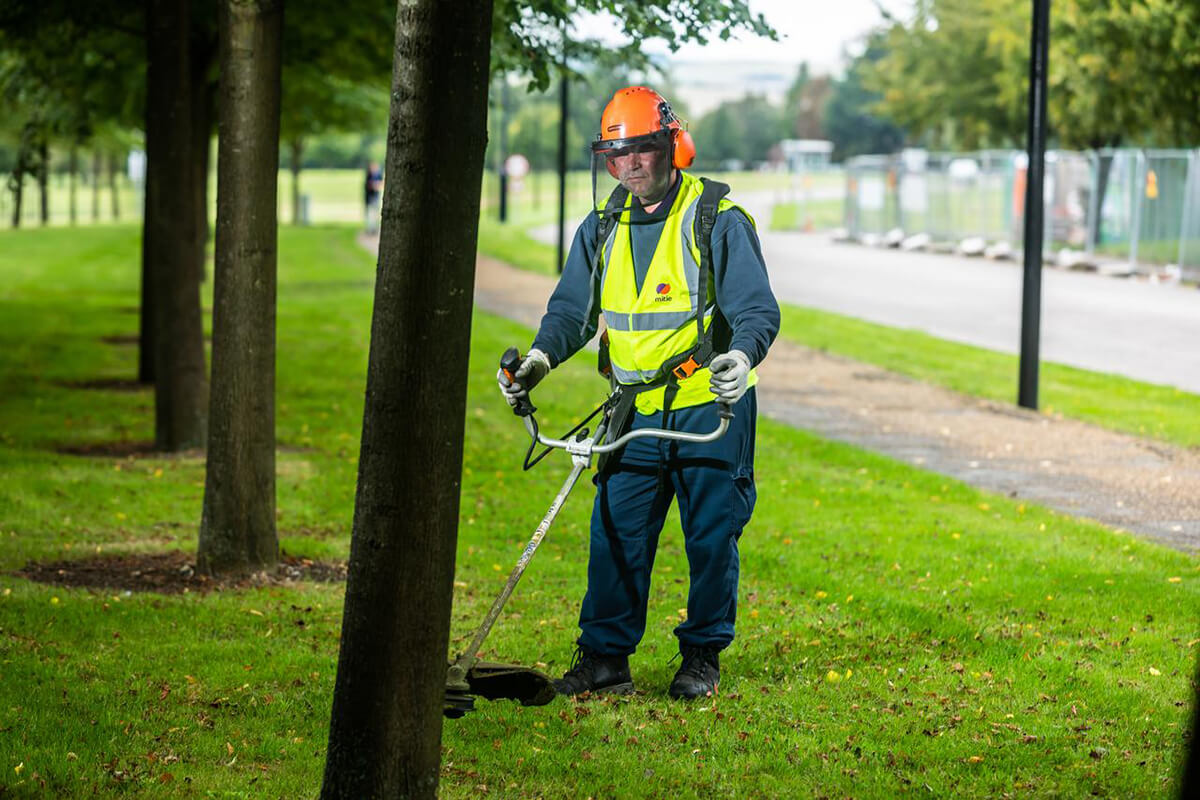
(1130, 327)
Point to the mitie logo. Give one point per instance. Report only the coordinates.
(664, 293)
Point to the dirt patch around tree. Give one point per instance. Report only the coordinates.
(173, 573)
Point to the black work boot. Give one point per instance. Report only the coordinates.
(698, 675)
(592, 672)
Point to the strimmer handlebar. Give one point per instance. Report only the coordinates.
(586, 447)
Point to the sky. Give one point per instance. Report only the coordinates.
(816, 31)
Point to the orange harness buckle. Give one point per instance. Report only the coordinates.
(685, 370)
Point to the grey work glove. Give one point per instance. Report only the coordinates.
(730, 376)
(534, 367)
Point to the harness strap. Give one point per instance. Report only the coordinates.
(707, 208)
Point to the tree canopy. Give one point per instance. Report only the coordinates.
(956, 74)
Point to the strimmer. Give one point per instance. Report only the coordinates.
(468, 677)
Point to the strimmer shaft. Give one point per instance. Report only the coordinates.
(463, 665)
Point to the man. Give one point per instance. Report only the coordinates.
(372, 186)
(639, 263)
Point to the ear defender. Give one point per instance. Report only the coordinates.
(612, 168)
(684, 149)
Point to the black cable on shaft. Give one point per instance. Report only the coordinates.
(529, 464)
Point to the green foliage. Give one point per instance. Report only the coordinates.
(63, 76)
(342, 151)
(1125, 71)
(337, 66)
(528, 38)
(804, 105)
(897, 630)
(850, 119)
(956, 75)
(741, 131)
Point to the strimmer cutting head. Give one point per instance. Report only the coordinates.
(496, 682)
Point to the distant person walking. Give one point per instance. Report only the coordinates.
(372, 189)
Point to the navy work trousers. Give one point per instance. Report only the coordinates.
(714, 485)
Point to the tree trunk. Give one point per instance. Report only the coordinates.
(237, 527)
(297, 151)
(204, 99)
(72, 175)
(385, 728)
(146, 307)
(112, 187)
(44, 180)
(180, 384)
(1189, 783)
(18, 182)
(96, 185)
(1103, 169)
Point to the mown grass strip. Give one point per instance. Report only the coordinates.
(898, 631)
(1110, 401)
(814, 215)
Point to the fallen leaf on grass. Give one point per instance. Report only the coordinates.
(974, 759)
(1154, 672)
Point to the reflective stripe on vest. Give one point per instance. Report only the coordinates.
(648, 327)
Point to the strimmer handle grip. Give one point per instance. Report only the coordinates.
(510, 362)
(724, 410)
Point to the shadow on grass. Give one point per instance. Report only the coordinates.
(121, 449)
(173, 573)
(107, 385)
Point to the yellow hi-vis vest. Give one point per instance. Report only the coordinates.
(647, 328)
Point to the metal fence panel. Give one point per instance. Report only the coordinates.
(1142, 206)
(1189, 237)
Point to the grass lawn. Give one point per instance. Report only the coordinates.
(814, 215)
(1111, 401)
(899, 632)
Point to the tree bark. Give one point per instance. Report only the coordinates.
(18, 182)
(96, 185)
(72, 176)
(296, 146)
(204, 98)
(385, 728)
(1103, 169)
(180, 383)
(112, 186)
(44, 180)
(237, 526)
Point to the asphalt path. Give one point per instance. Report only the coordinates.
(1129, 327)
(1124, 326)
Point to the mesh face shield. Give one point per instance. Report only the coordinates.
(637, 163)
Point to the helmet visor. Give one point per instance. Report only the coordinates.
(633, 163)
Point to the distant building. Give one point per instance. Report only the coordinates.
(806, 154)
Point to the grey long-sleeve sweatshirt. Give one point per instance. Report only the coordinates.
(743, 290)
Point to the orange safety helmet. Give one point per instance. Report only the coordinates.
(638, 115)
